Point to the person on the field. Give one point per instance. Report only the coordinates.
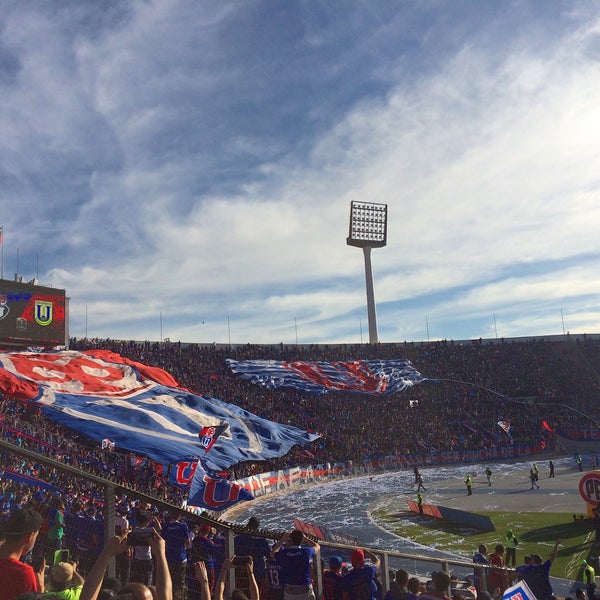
(469, 484)
(488, 475)
(510, 544)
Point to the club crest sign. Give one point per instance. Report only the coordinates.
(42, 312)
(589, 488)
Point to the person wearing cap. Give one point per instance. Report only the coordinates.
(359, 583)
(440, 585)
(332, 579)
(296, 555)
(537, 574)
(64, 581)
(19, 533)
(589, 578)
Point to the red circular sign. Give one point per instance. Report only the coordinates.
(589, 487)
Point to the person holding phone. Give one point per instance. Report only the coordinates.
(142, 565)
(244, 562)
(163, 588)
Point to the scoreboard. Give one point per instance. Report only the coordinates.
(31, 315)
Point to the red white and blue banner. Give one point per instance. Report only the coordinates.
(372, 377)
(519, 591)
(140, 408)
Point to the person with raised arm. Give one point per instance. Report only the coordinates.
(163, 589)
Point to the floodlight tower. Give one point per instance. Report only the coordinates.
(368, 229)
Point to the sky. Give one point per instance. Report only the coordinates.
(184, 169)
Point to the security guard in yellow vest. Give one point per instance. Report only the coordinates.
(589, 578)
(511, 543)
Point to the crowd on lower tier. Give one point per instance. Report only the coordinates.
(160, 557)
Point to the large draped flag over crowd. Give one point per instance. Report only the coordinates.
(141, 408)
(373, 377)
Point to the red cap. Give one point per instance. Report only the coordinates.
(357, 558)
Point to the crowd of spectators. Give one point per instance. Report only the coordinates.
(537, 386)
(471, 387)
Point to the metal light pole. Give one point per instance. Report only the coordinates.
(368, 229)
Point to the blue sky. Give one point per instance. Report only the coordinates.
(185, 169)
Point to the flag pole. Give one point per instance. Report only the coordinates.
(2, 250)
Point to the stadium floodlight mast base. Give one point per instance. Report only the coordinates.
(368, 229)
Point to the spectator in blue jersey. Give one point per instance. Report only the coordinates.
(256, 547)
(177, 538)
(537, 574)
(332, 580)
(296, 555)
(359, 583)
(480, 574)
(90, 540)
(202, 550)
(273, 581)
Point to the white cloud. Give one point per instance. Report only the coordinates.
(186, 176)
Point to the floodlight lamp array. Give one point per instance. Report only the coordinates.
(368, 224)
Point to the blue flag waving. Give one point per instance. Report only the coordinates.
(140, 408)
(373, 377)
(211, 491)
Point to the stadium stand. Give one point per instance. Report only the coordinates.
(546, 389)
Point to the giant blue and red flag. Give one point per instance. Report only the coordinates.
(373, 377)
(140, 408)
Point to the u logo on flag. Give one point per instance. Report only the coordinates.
(42, 312)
